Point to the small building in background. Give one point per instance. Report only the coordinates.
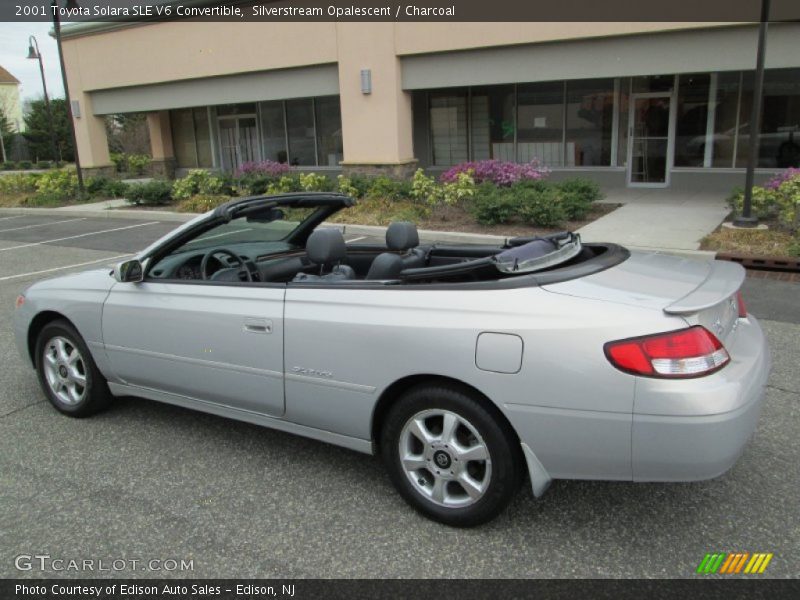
(10, 103)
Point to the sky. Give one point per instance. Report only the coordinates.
(13, 53)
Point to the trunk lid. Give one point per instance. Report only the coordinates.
(702, 292)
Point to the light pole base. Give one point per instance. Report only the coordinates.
(745, 222)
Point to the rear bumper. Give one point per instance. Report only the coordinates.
(704, 424)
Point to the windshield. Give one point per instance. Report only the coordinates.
(243, 230)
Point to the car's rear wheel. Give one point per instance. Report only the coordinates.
(67, 372)
(449, 457)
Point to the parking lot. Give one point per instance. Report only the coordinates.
(149, 481)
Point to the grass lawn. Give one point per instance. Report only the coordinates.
(758, 242)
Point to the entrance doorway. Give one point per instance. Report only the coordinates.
(650, 139)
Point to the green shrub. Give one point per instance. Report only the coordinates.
(311, 182)
(284, 185)
(137, 163)
(255, 184)
(542, 207)
(575, 206)
(587, 190)
(61, 184)
(794, 247)
(115, 188)
(156, 191)
(120, 161)
(24, 165)
(780, 203)
(44, 164)
(96, 185)
(106, 187)
(198, 181)
(361, 184)
(18, 183)
(463, 188)
(424, 188)
(9, 165)
(391, 189)
(492, 205)
(344, 185)
(201, 203)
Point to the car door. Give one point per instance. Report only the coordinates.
(219, 343)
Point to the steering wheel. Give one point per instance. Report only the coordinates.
(241, 262)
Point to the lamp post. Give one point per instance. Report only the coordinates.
(35, 54)
(746, 219)
(54, 6)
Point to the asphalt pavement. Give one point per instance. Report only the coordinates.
(146, 481)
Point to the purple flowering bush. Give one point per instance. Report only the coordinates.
(499, 172)
(781, 178)
(268, 168)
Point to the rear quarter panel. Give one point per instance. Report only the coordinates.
(344, 347)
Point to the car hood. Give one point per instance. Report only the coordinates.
(644, 280)
(98, 279)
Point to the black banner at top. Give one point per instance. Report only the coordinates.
(71, 11)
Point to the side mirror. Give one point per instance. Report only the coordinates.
(129, 271)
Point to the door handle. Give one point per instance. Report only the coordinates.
(257, 326)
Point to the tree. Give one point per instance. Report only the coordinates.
(128, 134)
(37, 131)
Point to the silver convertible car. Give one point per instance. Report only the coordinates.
(467, 368)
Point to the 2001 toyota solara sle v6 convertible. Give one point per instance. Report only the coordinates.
(466, 367)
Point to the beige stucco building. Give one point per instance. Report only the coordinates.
(9, 100)
(629, 104)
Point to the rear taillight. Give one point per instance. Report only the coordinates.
(20, 301)
(685, 353)
(741, 305)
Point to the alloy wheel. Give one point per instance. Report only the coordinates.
(445, 458)
(65, 370)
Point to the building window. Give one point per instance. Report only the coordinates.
(540, 118)
(191, 138)
(779, 143)
(328, 119)
(590, 115)
(448, 119)
(273, 131)
(492, 122)
(300, 128)
(726, 119)
(692, 120)
(302, 132)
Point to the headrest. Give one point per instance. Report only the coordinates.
(402, 235)
(326, 246)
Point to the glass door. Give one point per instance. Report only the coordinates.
(649, 140)
(238, 140)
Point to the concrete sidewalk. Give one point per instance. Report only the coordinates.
(658, 220)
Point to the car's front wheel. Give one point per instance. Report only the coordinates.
(67, 372)
(449, 457)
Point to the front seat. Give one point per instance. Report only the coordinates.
(326, 248)
(403, 239)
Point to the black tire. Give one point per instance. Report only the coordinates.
(96, 395)
(503, 449)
